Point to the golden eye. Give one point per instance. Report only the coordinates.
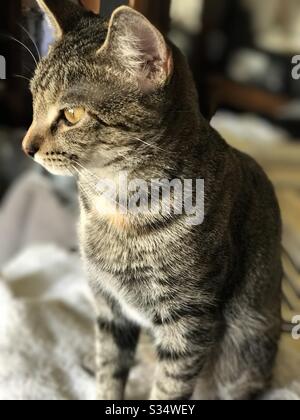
(74, 115)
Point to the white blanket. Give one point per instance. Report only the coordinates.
(45, 328)
(46, 334)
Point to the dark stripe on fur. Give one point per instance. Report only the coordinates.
(125, 335)
(164, 354)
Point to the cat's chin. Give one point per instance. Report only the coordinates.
(57, 170)
(60, 170)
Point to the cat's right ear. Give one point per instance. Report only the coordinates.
(62, 15)
(139, 50)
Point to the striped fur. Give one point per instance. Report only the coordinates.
(209, 294)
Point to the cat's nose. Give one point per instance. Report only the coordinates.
(32, 150)
(32, 142)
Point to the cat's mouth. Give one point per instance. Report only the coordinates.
(57, 164)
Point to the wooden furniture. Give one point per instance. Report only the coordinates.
(14, 99)
(156, 11)
(93, 5)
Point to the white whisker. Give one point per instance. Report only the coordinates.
(87, 181)
(31, 39)
(19, 76)
(87, 170)
(154, 146)
(92, 187)
(26, 48)
(81, 186)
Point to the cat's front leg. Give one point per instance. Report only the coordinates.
(182, 351)
(116, 341)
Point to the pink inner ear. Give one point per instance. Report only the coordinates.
(149, 43)
(139, 48)
(155, 57)
(169, 64)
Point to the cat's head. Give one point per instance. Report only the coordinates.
(101, 87)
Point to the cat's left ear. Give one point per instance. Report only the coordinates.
(139, 49)
(62, 14)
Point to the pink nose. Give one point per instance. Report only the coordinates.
(32, 142)
(32, 150)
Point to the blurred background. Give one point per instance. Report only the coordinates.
(241, 54)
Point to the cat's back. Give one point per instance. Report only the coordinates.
(258, 182)
(248, 177)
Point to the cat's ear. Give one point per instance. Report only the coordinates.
(139, 48)
(62, 14)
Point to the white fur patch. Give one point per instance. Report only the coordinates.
(111, 285)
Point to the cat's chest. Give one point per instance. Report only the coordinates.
(136, 268)
(116, 248)
(130, 302)
(130, 269)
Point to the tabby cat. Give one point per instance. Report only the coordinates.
(115, 97)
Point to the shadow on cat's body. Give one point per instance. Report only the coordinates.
(209, 293)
